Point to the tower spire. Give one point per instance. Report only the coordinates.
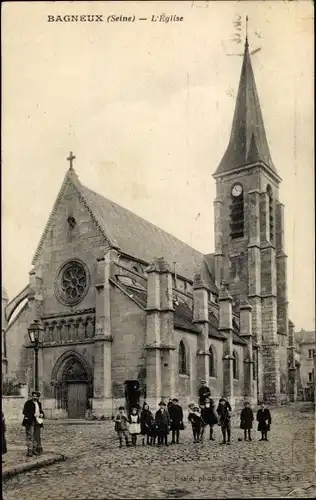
(248, 143)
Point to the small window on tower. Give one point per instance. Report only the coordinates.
(183, 367)
(237, 212)
(71, 222)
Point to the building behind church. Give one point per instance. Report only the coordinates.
(306, 356)
(123, 302)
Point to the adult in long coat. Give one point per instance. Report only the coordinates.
(246, 419)
(264, 422)
(162, 423)
(3, 439)
(176, 419)
(33, 422)
(146, 423)
(209, 417)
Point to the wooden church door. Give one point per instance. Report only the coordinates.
(75, 378)
(77, 400)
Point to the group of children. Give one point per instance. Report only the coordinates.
(150, 427)
(158, 426)
(204, 415)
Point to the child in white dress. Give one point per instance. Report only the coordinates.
(134, 425)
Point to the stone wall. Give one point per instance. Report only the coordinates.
(16, 337)
(216, 383)
(186, 385)
(84, 242)
(239, 383)
(128, 328)
(12, 407)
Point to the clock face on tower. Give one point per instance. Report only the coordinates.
(237, 190)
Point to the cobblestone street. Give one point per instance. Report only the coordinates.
(97, 469)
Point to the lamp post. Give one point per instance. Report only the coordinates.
(35, 333)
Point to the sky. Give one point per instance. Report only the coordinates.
(147, 109)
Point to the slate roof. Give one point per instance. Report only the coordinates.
(133, 235)
(183, 315)
(238, 340)
(248, 142)
(213, 327)
(183, 318)
(136, 236)
(140, 295)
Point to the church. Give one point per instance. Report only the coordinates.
(124, 304)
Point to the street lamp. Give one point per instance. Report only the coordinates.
(35, 333)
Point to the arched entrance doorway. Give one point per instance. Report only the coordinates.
(76, 381)
(73, 387)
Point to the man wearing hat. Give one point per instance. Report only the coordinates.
(33, 422)
(162, 421)
(176, 419)
(204, 392)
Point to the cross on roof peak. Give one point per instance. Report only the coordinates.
(70, 158)
(246, 42)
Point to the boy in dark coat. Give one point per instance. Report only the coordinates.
(176, 419)
(121, 426)
(224, 415)
(209, 417)
(246, 419)
(227, 403)
(33, 422)
(146, 424)
(264, 422)
(162, 421)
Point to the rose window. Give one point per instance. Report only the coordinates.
(72, 283)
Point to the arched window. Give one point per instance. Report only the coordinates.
(237, 212)
(212, 362)
(183, 367)
(271, 216)
(235, 366)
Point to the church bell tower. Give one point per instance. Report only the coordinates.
(249, 236)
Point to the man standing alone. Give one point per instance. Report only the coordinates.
(33, 422)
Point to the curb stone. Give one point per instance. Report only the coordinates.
(28, 466)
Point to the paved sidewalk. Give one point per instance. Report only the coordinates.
(60, 439)
(16, 462)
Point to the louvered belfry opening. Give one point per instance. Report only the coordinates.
(271, 216)
(237, 217)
